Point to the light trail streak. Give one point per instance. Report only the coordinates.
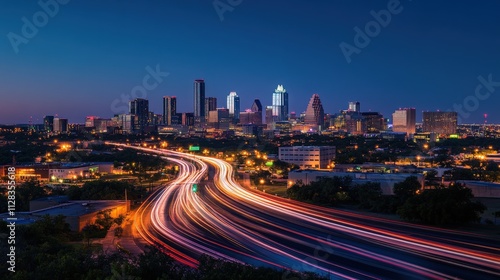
(231, 222)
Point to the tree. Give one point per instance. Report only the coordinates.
(118, 231)
(366, 194)
(406, 189)
(443, 206)
(105, 190)
(462, 174)
(492, 166)
(496, 215)
(324, 191)
(119, 220)
(92, 231)
(155, 264)
(216, 269)
(431, 174)
(28, 191)
(104, 219)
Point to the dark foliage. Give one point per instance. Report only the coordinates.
(406, 189)
(27, 191)
(443, 207)
(329, 191)
(367, 195)
(42, 252)
(105, 190)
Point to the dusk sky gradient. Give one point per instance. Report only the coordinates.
(91, 52)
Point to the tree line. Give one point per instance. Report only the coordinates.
(43, 251)
(440, 206)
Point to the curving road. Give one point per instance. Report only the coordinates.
(225, 220)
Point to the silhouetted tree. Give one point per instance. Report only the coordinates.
(406, 189)
(443, 206)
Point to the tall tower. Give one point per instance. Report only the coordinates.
(48, 123)
(257, 112)
(140, 108)
(354, 107)
(60, 125)
(403, 120)
(169, 109)
(233, 104)
(256, 106)
(210, 105)
(315, 115)
(440, 122)
(269, 118)
(199, 101)
(280, 104)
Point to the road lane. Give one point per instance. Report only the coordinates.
(227, 221)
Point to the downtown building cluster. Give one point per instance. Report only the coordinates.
(209, 118)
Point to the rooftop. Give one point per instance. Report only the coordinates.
(79, 207)
(480, 183)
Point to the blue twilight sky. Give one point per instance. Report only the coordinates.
(90, 53)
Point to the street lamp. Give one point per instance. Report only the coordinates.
(262, 181)
(418, 160)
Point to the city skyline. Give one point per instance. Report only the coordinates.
(427, 61)
(353, 106)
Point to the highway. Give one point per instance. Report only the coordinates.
(224, 220)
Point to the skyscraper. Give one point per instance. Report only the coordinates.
(403, 120)
(210, 105)
(60, 125)
(48, 123)
(269, 117)
(280, 104)
(187, 119)
(140, 108)
(354, 107)
(375, 122)
(199, 101)
(256, 106)
(315, 115)
(233, 104)
(127, 122)
(257, 110)
(219, 118)
(440, 122)
(169, 109)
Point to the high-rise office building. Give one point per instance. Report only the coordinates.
(199, 101)
(280, 104)
(249, 117)
(256, 106)
(440, 122)
(269, 117)
(169, 109)
(154, 119)
(48, 123)
(233, 104)
(140, 108)
(187, 119)
(403, 120)
(219, 119)
(315, 115)
(60, 125)
(375, 122)
(210, 105)
(127, 123)
(90, 121)
(354, 106)
(257, 109)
